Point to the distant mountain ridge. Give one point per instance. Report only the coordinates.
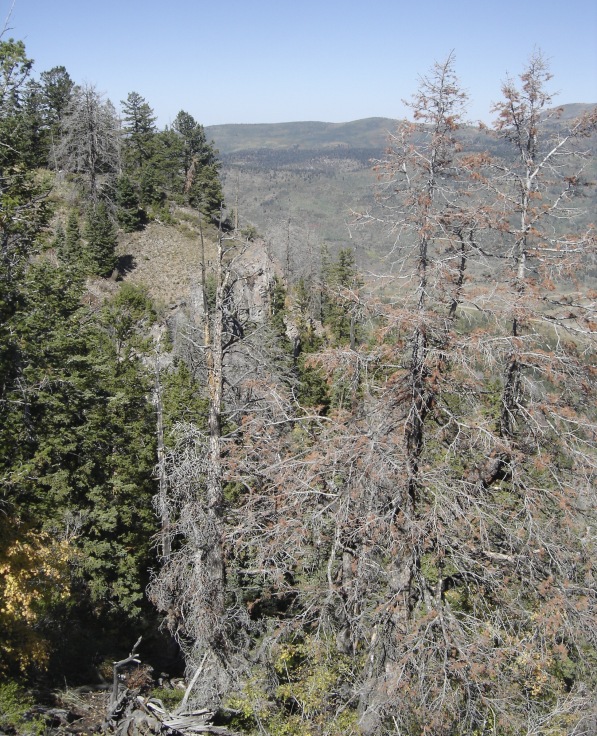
(367, 133)
(299, 183)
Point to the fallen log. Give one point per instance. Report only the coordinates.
(134, 714)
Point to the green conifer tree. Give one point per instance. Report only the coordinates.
(278, 307)
(139, 131)
(200, 165)
(59, 240)
(339, 310)
(129, 213)
(101, 241)
(69, 244)
(34, 128)
(23, 210)
(77, 446)
(57, 89)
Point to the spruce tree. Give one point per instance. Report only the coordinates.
(34, 128)
(101, 241)
(205, 191)
(340, 299)
(139, 130)
(129, 213)
(163, 173)
(57, 89)
(70, 247)
(44, 401)
(23, 208)
(76, 441)
(59, 240)
(120, 429)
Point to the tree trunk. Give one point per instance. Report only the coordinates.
(162, 480)
(214, 342)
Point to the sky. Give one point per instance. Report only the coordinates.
(266, 61)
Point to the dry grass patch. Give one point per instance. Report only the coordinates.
(166, 258)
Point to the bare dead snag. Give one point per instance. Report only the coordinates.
(116, 667)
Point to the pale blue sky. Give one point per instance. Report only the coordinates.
(252, 61)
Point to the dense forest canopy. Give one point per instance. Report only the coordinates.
(347, 505)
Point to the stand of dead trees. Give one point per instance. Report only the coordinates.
(417, 559)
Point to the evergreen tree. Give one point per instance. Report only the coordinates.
(58, 242)
(120, 435)
(160, 175)
(128, 212)
(15, 68)
(278, 307)
(205, 192)
(139, 130)
(195, 146)
(164, 173)
(72, 252)
(36, 133)
(43, 404)
(77, 445)
(57, 89)
(200, 166)
(100, 235)
(23, 208)
(340, 305)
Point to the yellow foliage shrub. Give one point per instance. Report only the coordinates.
(33, 576)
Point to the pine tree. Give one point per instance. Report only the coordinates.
(34, 126)
(42, 405)
(77, 445)
(200, 166)
(120, 436)
(58, 242)
(165, 172)
(160, 176)
(205, 192)
(23, 208)
(340, 299)
(195, 146)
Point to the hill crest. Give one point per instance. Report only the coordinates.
(366, 133)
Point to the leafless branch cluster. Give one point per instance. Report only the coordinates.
(436, 530)
(90, 137)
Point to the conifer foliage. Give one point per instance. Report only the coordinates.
(76, 423)
(200, 166)
(100, 234)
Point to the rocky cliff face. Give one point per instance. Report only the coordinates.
(254, 271)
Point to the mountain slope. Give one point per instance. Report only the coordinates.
(313, 135)
(366, 133)
(300, 182)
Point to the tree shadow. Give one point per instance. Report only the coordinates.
(125, 264)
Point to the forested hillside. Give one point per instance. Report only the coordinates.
(338, 503)
(297, 183)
